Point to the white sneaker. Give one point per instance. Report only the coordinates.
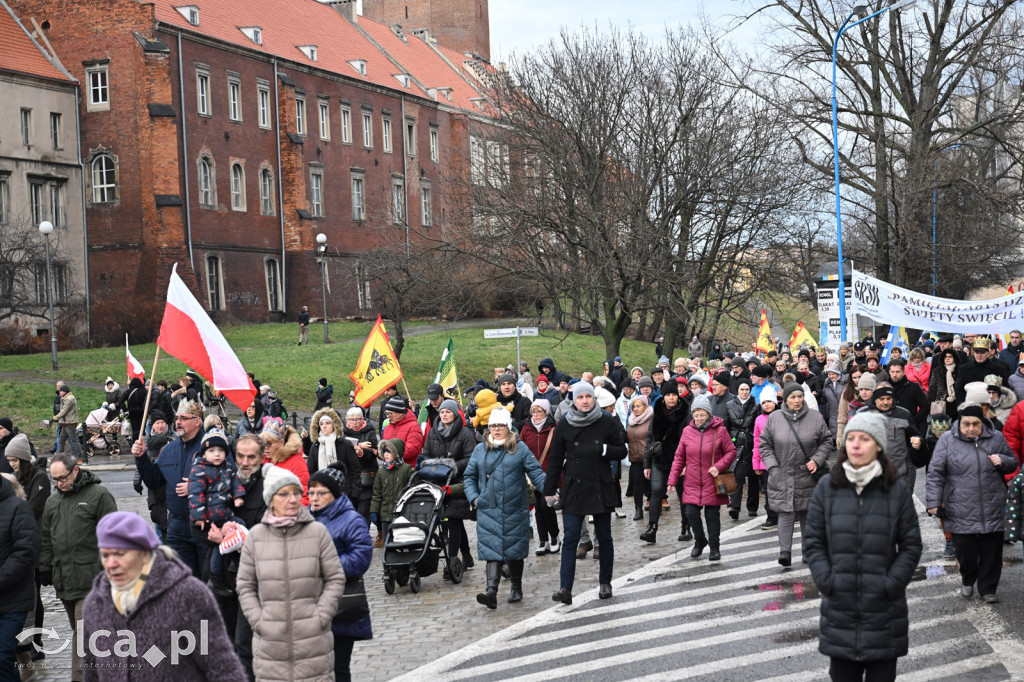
(554, 547)
(619, 514)
(543, 548)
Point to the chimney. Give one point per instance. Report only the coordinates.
(347, 8)
(397, 30)
(424, 35)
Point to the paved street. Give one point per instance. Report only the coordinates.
(671, 616)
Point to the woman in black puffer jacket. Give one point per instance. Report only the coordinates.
(863, 542)
(671, 415)
(448, 438)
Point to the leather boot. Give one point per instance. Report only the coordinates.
(651, 534)
(684, 532)
(489, 597)
(638, 511)
(515, 568)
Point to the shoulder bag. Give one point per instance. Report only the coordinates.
(353, 604)
(725, 481)
(543, 458)
(819, 473)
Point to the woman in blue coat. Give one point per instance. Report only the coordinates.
(331, 507)
(496, 486)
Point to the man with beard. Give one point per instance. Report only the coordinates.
(510, 397)
(909, 395)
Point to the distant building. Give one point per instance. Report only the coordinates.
(462, 25)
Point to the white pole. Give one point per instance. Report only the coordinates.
(519, 355)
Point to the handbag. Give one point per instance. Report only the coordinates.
(653, 452)
(353, 602)
(938, 407)
(366, 478)
(819, 473)
(725, 481)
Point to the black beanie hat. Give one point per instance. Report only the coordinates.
(762, 371)
(332, 478)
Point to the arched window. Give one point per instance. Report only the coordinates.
(104, 180)
(237, 187)
(207, 191)
(266, 192)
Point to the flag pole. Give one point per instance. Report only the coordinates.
(149, 393)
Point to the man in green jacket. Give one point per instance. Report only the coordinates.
(67, 424)
(70, 557)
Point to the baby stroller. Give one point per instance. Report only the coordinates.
(102, 435)
(417, 537)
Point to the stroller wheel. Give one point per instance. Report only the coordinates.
(403, 577)
(115, 449)
(414, 583)
(389, 585)
(455, 570)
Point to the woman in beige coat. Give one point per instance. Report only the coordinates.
(289, 583)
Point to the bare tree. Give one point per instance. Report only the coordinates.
(23, 275)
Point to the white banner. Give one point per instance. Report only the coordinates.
(894, 305)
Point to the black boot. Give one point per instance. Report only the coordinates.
(489, 597)
(651, 534)
(684, 532)
(699, 543)
(638, 512)
(715, 554)
(515, 568)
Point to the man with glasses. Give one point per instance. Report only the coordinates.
(70, 558)
(979, 366)
(171, 469)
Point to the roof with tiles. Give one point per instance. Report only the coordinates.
(285, 25)
(21, 54)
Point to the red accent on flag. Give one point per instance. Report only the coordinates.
(135, 370)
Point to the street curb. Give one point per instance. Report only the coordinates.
(108, 467)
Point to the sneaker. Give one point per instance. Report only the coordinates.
(950, 551)
(769, 525)
(752, 513)
(543, 548)
(619, 514)
(990, 598)
(967, 591)
(467, 562)
(734, 514)
(555, 546)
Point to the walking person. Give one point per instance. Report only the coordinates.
(705, 449)
(967, 488)
(670, 416)
(304, 325)
(742, 413)
(538, 433)
(862, 542)
(638, 424)
(586, 441)
(452, 440)
(495, 485)
(794, 444)
(67, 424)
(19, 549)
(769, 403)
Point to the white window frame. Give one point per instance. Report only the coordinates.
(358, 197)
(207, 193)
(316, 192)
(410, 136)
(300, 115)
(346, 124)
(214, 283)
(385, 133)
(426, 205)
(98, 84)
(203, 91)
(324, 107)
(435, 145)
(362, 287)
(36, 203)
(263, 103)
(398, 208)
(237, 187)
(25, 126)
(235, 99)
(5, 198)
(272, 276)
(367, 129)
(266, 191)
(494, 171)
(58, 208)
(55, 128)
(103, 192)
(477, 160)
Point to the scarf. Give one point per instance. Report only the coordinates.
(446, 431)
(701, 427)
(326, 454)
(391, 465)
(126, 598)
(861, 477)
(539, 424)
(581, 419)
(795, 416)
(279, 521)
(644, 417)
(950, 391)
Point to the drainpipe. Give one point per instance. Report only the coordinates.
(280, 196)
(85, 226)
(405, 180)
(184, 156)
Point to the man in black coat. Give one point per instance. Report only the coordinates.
(19, 549)
(909, 395)
(509, 395)
(720, 396)
(980, 366)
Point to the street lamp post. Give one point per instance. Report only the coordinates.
(321, 249)
(860, 11)
(935, 184)
(45, 228)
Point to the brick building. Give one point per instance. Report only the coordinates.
(462, 25)
(225, 135)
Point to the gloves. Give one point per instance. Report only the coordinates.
(374, 518)
(45, 577)
(447, 490)
(138, 486)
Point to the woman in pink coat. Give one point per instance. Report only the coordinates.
(769, 401)
(705, 448)
(918, 370)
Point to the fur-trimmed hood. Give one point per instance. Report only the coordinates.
(292, 445)
(314, 423)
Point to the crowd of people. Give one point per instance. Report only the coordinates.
(267, 530)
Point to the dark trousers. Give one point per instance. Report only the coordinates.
(762, 482)
(842, 670)
(342, 658)
(458, 542)
(10, 625)
(980, 556)
(711, 516)
(603, 530)
(191, 551)
(547, 521)
(659, 486)
(744, 473)
(66, 434)
(243, 644)
(639, 483)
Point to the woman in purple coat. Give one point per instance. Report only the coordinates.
(705, 450)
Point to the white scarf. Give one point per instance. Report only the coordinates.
(326, 455)
(126, 598)
(861, 477)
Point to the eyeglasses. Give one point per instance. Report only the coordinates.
(495, 427)
(183, 418)
(61, 479)
(318, 493)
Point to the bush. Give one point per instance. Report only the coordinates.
(113, 318)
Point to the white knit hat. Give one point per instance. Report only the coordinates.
(605, 398)
(500, 416)
(275, 478)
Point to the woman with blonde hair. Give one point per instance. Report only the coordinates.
(284, 449)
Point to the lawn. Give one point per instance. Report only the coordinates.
(272, 353)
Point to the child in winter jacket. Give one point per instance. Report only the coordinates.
(388, 485)
(214, 489)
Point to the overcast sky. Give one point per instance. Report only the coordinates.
(514, 28)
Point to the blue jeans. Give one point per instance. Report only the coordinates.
(10, 625)
(190, 551)
(571, 524)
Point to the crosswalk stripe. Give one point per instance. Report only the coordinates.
(964, 665)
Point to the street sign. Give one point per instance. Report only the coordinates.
(510, 332)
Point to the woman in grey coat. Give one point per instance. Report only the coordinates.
(966, 487)
(794, 444)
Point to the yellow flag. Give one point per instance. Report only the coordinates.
(801, 336)
(377, 368)
(764, 335)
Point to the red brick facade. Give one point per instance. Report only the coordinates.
(229, 247)
(462, 25)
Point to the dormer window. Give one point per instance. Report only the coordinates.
(253, 33)
(359, 65)
(190, 12)
(309, 51)
(402, 78)
(446, 93)
(478, 102)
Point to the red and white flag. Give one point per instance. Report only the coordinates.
(189, 334)
(135, 370)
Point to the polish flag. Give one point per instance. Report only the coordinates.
(189, 334)
(134, 366)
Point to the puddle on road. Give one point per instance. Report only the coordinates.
(785, 592)
(796, 636)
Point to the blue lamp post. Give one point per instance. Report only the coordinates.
(860, 11)
(935, 184)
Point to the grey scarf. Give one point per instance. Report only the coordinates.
(580, 419)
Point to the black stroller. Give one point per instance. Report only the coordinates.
(417, 537)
